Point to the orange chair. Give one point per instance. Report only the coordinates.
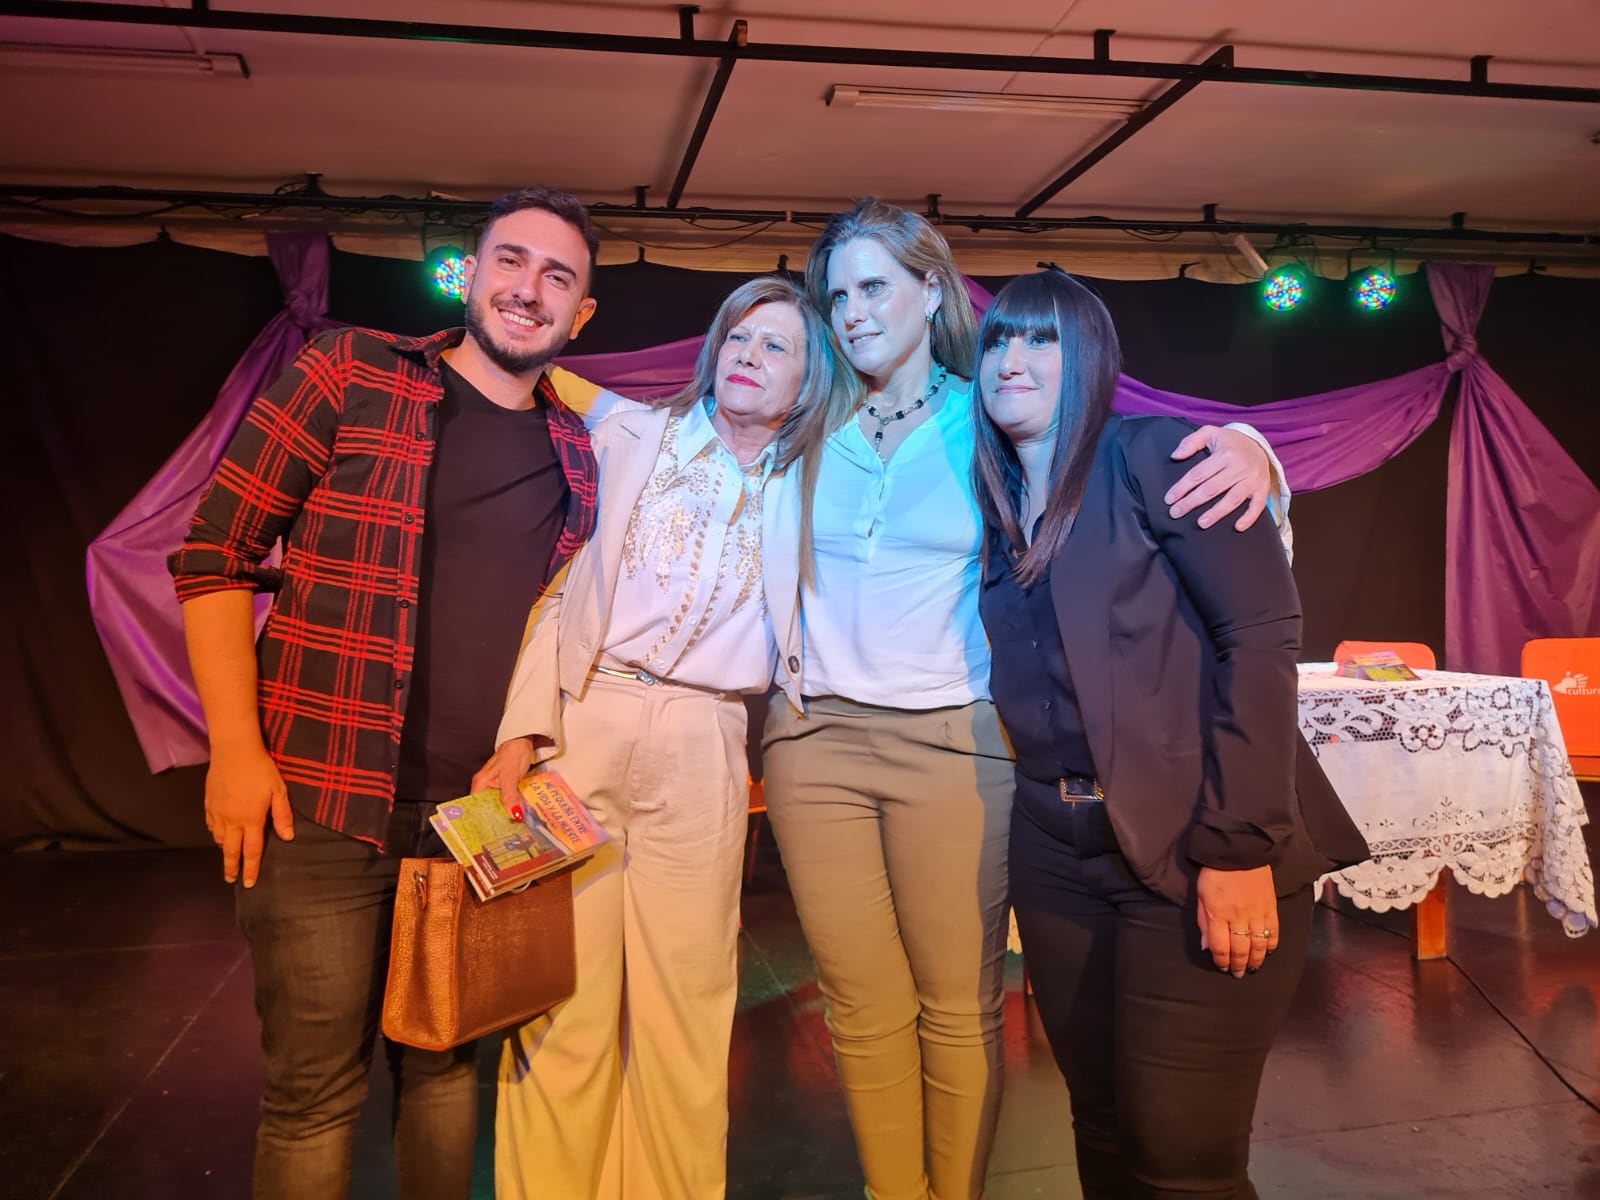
(758, 808)
(1572, 668)
(1414, 654)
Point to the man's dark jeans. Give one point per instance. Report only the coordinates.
(318, 923)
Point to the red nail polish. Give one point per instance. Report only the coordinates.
(516, 813)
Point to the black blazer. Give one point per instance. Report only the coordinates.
(1182, 643)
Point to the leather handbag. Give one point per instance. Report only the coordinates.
(460, 967)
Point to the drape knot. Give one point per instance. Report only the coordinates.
(307, 307)
(301, 261)
(1463, 352)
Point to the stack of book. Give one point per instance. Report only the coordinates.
(506, 846)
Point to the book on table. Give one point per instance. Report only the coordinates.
(1379, 666)
(506, 846)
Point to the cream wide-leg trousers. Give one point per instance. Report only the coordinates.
(621, 1093)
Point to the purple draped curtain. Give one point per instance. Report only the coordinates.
(1523, 521)
(653, 373)
(130, 592)
(1522, 534)
(1522, 530)
(1322, 439)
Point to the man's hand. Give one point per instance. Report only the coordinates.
(1237, 470)
(243, 786)
(1238, 916)
(506, 767)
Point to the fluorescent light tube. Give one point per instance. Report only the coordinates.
(851, 95)
(1251, 254)
(96, 58)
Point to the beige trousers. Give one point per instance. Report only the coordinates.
(893, 827)
(621, 1093)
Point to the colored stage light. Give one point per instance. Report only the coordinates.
(1373, 289)
(1284, 289)
(447, 267)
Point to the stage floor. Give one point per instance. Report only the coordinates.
(129, 1060)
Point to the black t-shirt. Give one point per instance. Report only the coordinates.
(495, 504)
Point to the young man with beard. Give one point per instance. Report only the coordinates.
(425, 490)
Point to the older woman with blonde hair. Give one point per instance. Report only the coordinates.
(890, 793)
(630, 685)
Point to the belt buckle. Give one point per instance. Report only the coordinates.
(1080, 797)
(646, 678)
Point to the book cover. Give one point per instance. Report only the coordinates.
(504, 848)
(558, 809)
(1382, 666)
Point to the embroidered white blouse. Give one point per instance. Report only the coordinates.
(689, 603)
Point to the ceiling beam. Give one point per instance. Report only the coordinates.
(679, 47)
(708, 110)
(169, 201)
(1221, 57)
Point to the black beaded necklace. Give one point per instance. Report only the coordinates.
(901, 414)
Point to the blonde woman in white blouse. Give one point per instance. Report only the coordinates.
(629, 684)
(890, 795)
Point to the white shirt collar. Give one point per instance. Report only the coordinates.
(696, 432)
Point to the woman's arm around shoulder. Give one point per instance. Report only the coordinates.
(1241, 587)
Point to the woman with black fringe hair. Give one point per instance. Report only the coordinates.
(1168, 820)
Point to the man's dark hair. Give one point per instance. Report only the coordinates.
(552, 200)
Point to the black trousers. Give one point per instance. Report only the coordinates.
(1162, 1052)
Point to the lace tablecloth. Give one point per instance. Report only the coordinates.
(1465, 772)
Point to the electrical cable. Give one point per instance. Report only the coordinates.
(744, 237)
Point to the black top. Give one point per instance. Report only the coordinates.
(1028, 678)
(496, 503)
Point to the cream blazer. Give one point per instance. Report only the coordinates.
(567, 626)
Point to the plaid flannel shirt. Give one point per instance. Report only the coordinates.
(333, 458)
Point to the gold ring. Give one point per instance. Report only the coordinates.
(1240, 932)
(1265, 933)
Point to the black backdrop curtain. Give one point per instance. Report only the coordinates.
(121, 352)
